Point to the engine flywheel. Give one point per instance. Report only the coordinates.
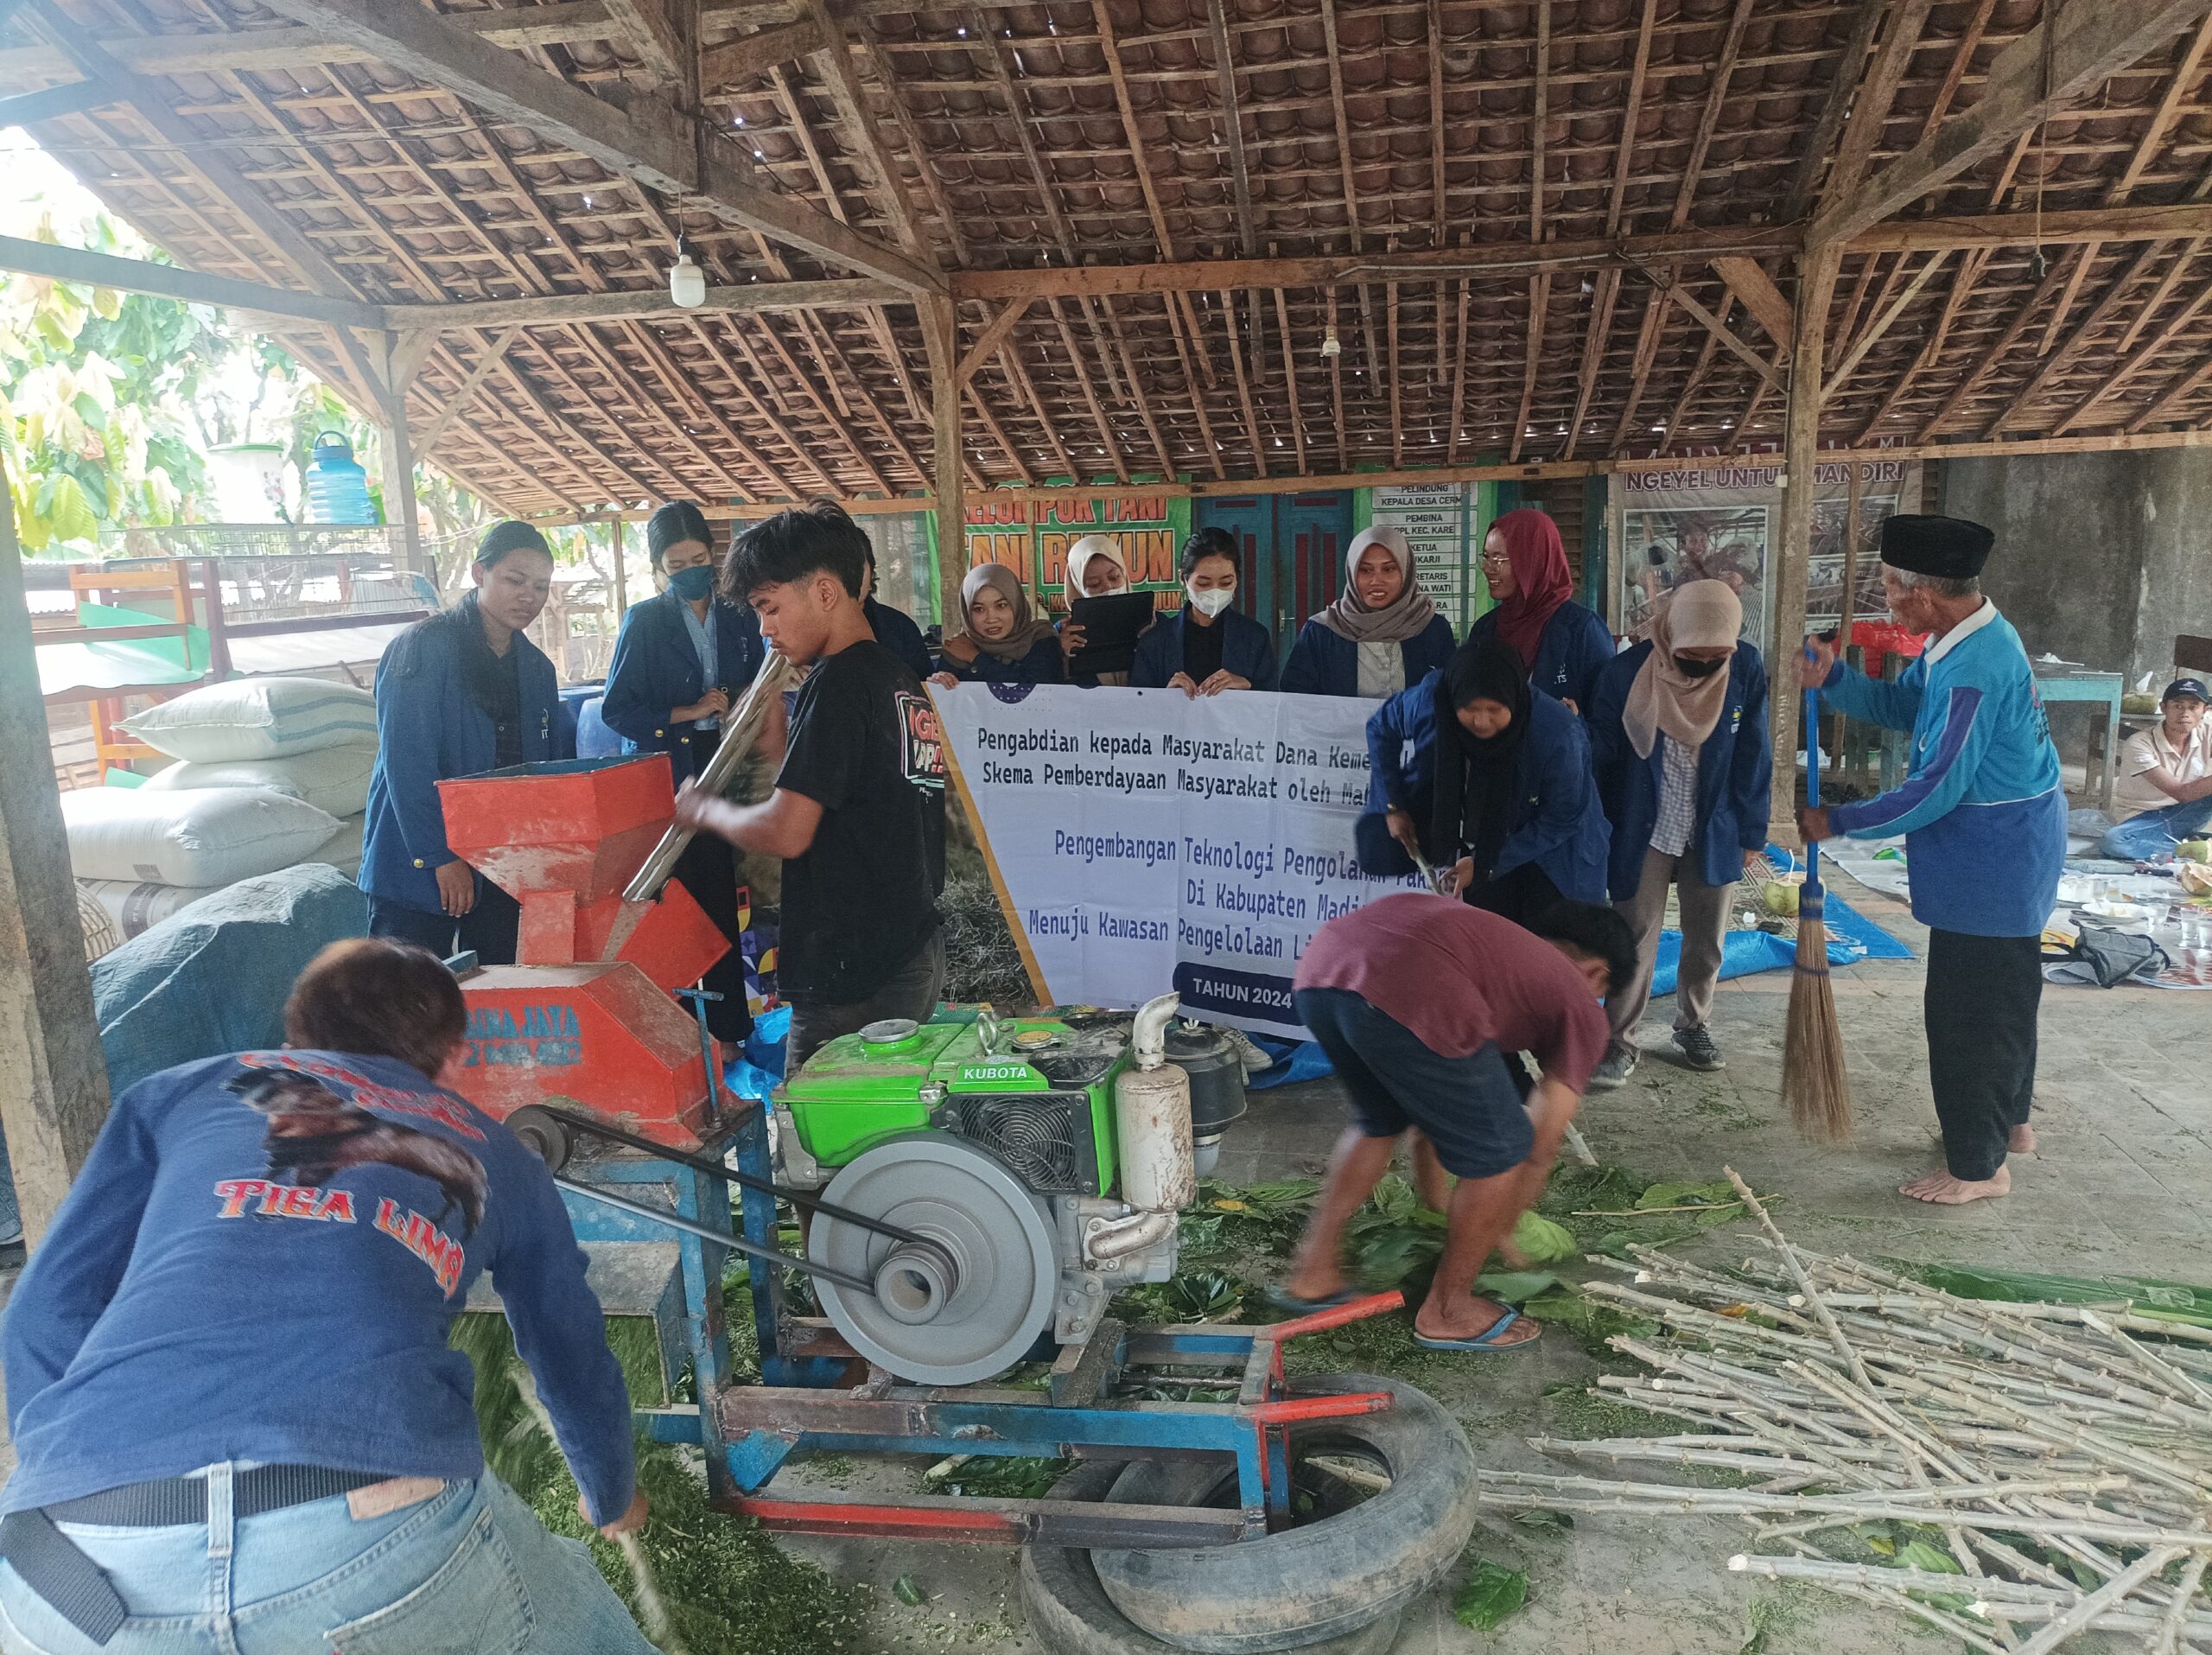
(963, 1309)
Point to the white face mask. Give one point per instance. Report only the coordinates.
(1212, 602)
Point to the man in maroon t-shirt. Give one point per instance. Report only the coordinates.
(1420, 1001)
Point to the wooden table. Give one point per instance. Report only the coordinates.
(2094, 689)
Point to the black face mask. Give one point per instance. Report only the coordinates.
(1690, 669)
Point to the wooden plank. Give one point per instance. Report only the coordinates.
(2070, 228)
(1712, 324)
(850, 293)
(864, 137)
(750, 56)
(651, 143)
(994, 335)
(1756, 291)
(1870, 107)
(1873, 333)
(1820, 143)
(1232, 122)
(461, 399)
(53, 1078)
(941, 334)
(174, 282)
(2094, 43)
(656, 31)
(52, 102)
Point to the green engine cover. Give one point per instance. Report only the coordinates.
(854, 1093)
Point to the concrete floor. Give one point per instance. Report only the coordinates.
(2123, 1183)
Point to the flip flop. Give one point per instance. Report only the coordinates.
(1486, 1340)
(1282, 1299)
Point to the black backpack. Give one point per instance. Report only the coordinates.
(2108, 958)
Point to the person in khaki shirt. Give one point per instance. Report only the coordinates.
(2165, 788)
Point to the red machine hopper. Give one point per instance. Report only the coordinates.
(584, 1019)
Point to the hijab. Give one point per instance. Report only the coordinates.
(1698, 614)
(1405, 616)
(1079, 556)
(1027, 627)
(1542, 581)
(1475, 777)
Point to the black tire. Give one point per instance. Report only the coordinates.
(1071, 1614)
(544, 1134)
(1295, 1588)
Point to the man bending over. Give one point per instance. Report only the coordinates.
(1420, 1002)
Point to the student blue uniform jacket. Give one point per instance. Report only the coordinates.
(1557, 822)
(1574, 650)
(1734, 772)
(1043, 664)
(656, 669)
(262, 1259)
(895, 630)
(1981, 809)
(1326, 663)
(1248, 649)
(430, 730)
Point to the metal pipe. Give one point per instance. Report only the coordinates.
(739, 726)
(721, 1238)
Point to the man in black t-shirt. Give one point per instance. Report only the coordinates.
(858, 812)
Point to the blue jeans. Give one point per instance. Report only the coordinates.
(2155, 833)
(468, 1571)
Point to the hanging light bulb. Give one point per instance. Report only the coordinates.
(1331, 345)
(686, 282)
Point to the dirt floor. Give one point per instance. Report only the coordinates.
(2122, 1183)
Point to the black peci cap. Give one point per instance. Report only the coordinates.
(1949, 548)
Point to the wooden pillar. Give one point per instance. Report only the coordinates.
(941, 330)
(399, 505)
(53, 1078)
(1787, 562)
(621, 576)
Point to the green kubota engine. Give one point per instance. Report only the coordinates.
(1043, 1160)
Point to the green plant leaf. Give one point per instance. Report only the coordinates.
(1492, 1595)
(1929, 1558)
(1541, 1242)
(1545, 1522)
(1514, 1286)
(1717, 1194)
(909, 1592)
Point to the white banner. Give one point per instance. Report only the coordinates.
(1147, 841)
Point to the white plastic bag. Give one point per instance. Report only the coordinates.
(202, 836)
(257, 718)
(333, 778)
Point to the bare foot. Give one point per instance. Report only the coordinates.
(2022, 1141)
(1470, 1319)
(1943, 1190)
(1314, 1286)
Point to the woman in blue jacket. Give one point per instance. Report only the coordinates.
(1679, 740)
(682, 659)
(1562, 646)
(457, 694)
(1498, 789)
(1380, 636)
(1209, 648)
(1004, 641)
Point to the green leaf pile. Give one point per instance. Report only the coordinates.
(1492, 1595)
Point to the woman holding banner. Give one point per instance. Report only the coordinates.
(1096, 569)
(1004, 641)
(1209, 648)
(1380, 636)
(1562, 646)
(1498, 791)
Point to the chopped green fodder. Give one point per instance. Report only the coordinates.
(729, 1589)
(1576, 1411)
(995, 1477)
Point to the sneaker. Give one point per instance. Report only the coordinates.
(1613, 1072)
(1698, 1050)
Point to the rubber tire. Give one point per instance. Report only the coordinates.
(1071, 1614)
(1293, 1590)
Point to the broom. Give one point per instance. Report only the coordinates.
(1813, 1076)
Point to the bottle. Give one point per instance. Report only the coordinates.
(337, 487)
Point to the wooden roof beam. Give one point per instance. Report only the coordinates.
(2153, 349)
(854, 293)
(750, 56)
(1883, 320)
(1294, 405)
(1726, 335)
(2092, 43)
(191, 287)
(650, 143)
(1820, 143)
(1753, 288)
(1232, 122)
(866, 135)
(1996, 353)
(1870, 105)
(2099, 315)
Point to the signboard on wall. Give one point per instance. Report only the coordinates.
(1717, 520)
(1032, 538)
(1142, 840)
(1435, 519)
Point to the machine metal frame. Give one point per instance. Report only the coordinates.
(1087, 1411)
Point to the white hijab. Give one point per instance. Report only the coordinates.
(1079, 556)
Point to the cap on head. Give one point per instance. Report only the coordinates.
(1948, 547)
(2180, 687)
(512, 535)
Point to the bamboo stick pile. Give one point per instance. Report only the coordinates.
(2054, 1462)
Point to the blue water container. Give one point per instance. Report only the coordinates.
(337, 487)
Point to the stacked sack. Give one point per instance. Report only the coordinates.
(270, 773)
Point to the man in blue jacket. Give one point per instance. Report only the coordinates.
(235, 1417)
(1985, 824)
(458, 694)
